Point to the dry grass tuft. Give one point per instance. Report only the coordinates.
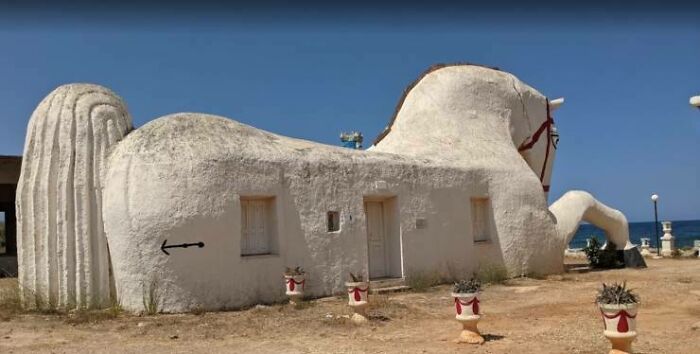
(10, 301)
(83, 316)
(151, 297)
(685, 280)
(421, 281)
(492, 274)
(198, 311)
(384, 308)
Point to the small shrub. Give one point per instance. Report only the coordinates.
(421, 281)
(599, 258)
(10, 300)
(296, 271)
(616, 294)
(83, 316)
(115, 308)
(467, 286)
(198, 311)
(151, 297)
(385, 308)
(492, 274)
(356, 278)
(676, 253)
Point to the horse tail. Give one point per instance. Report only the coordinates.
(62, 249)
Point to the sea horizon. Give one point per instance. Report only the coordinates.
(685, 232)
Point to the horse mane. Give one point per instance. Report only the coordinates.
(415, 82)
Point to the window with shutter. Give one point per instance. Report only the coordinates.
(256, 226)
(481, 219)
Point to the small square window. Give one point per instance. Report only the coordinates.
(333, 221)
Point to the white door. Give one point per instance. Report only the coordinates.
(254, 236)
(376, 239)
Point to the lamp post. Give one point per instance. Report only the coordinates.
(654, 198)
(695, 101)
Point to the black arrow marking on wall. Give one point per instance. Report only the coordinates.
(182, 245)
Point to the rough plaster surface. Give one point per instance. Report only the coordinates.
(62, 250)
(181, 177)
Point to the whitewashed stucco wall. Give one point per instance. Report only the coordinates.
(158, 196)
(454, 137)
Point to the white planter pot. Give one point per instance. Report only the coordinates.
(467, 306)
(358, 297)
(295, 284)
(620, 325)
(295, 287)
(357, 293)
(468, 313)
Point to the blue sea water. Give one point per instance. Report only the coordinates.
(685, 232)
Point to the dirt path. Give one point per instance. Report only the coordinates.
(554, 315)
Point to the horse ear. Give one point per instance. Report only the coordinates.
(554, 104)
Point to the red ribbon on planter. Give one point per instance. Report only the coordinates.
(474, 302)
(357, 291)
(291, 282)
(622, 325)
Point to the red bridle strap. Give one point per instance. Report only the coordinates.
(545, 126)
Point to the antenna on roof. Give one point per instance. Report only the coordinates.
(352, 140)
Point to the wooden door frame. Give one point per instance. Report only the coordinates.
(385, 248)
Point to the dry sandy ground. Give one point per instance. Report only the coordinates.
(553, 315)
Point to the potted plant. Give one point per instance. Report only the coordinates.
(618, 305)
(295, 280)
(358, 291)
(466, 297)
(602, 258)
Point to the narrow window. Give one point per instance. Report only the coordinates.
(257, 225)
(333, 221)
(481, 216)
(3, 234)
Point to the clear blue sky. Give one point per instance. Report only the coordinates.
(626, 127)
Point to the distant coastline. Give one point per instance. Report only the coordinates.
(685, 232)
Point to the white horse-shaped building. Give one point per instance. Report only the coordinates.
(456, 182)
